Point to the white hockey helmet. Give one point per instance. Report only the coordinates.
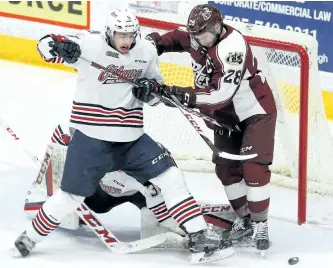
(121, 20)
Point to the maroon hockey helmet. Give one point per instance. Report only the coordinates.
(204, 18)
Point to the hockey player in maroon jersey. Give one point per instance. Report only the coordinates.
(230, 87)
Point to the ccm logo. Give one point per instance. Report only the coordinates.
(246, 148)
(11, 132)
(197, 127)
(218, 208)
(160, 157)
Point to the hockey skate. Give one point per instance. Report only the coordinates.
(260, 236)
(23, 244)
(207, 246)
(240, 233)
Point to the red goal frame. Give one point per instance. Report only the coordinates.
(304, 95)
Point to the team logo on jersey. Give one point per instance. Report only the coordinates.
(235, 58)
(112, 54)
(206, 14)
(202, 73)
(110, 189)
(109, 78)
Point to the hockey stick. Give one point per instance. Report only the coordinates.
(106, 236)
(185, 111)
(17, 139)
(47, 158)
(195, 125)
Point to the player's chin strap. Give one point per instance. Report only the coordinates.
(186, 112)
(106, 236)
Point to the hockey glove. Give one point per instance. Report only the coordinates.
(63, 47)
(185, 95)
(147, 86)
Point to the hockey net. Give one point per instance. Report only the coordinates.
(303, 143)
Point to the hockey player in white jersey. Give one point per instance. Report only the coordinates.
(109, 132)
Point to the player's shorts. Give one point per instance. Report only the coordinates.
(89, 159)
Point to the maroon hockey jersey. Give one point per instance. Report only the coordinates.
(229, 85)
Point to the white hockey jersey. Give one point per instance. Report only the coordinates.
(103, 106)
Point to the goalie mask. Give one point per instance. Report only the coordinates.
(205, 24)
(122, 30)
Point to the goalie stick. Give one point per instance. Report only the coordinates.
(83, 211)
(185, 111)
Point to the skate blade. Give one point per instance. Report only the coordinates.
(201, 257)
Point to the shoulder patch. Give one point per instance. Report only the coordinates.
(235, 57)
(93, 32)
(112, 54)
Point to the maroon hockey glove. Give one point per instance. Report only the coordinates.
(185, 95)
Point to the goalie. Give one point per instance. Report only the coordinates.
(117, 188)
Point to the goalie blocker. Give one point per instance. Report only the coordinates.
(117, 188)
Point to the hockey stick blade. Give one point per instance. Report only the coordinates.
(236, 156)
(140, 245)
